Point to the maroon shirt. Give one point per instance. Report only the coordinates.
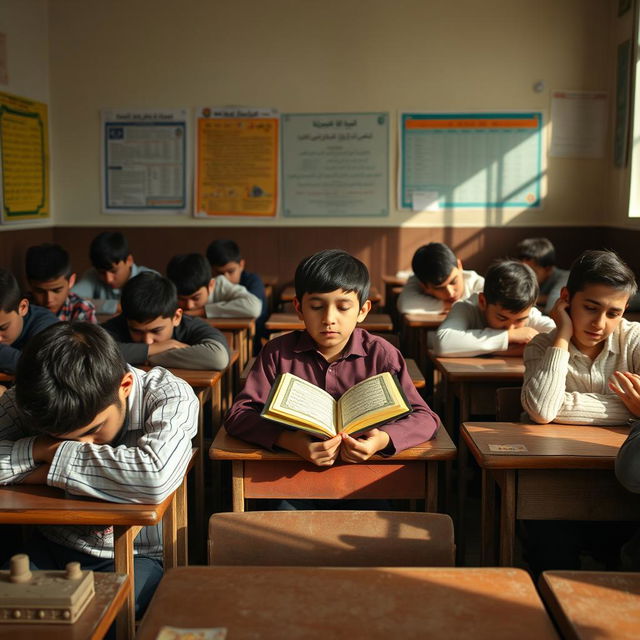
(364, 356)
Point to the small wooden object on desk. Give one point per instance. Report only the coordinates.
(291, 322)
(593, 605)
(259, 473)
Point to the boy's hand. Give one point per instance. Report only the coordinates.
(44, 448)
(364, 446)
(627, 388)
(38, 475)
(322, 453)
(166, 345)
(2, 390)
(199, 313)
(522, 335)
(560, 315)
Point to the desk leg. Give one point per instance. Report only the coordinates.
(464, 403)
(432, 487)
(170, 535)
(507, 518)
(237, 485)
(123, 538)
(198, 481)
(182, 522)
(488, 519)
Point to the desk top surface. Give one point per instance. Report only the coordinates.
(330, 602)
(423, 320)
(290, 321)
(593, 605)
(479, 369)
(226, 447)
(394, 280)
(511, 445)
(232, 324)
(195, 377)
(40, 504)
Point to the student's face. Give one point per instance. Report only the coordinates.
(52, 293)
(330, 318)
(497, 317)
(116, 277)
(451, 289)
(11, 323)
(595, 313)
(104, 428)
(196, 300)
(542, 273)
(156, 330)
(232, 271)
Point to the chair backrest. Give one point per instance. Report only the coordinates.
(331, 538)
(508, 404)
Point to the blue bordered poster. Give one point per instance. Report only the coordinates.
(470, 160)
(145, 161)
(335, 164)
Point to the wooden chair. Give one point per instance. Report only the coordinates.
(331, 538)
(508, 404)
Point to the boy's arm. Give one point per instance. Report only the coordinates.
(8, 358)
(457, 337)
(149, 471)
(540, 322)
(233, 301)
(628, 460)
(413, 299)
(132, 352)
(88, 286)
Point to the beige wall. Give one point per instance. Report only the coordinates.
(335, 55)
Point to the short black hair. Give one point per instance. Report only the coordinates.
(219, 252)
(66, 375)
(601, 267)
(540, 250)
(148, 296)
(329, 270)
(44, 262)
(432, 263)
(108, 248)
(10, 294)
(511, 284)
(189, 272)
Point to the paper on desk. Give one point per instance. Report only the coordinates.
(174, 633)
(506, 448)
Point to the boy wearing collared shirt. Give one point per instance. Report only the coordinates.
(332, 289)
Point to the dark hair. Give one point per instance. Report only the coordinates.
(66, 375)
(540, 250)
(108, 248)
(46, 262)
(10, 294)
(329, 270)
(148, 296)
(219, 252)
(189, 272)
(432, 263)
(601, 267)
(511, 284)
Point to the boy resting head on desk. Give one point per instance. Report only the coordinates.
(19, 321)
(501, 319)
(437, 282)
(51, 278)
(332, 289)
(151, 328)
(79, 419)
(585, 372)
(199, 294)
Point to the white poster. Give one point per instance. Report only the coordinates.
(145, 164)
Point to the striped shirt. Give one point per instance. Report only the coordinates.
(144, 464)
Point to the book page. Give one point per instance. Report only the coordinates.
(366, 397)
(305, 400)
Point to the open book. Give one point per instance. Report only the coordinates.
(302, 405)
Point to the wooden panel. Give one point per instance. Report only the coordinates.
(14, 245)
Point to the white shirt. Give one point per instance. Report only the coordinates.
(228, 300)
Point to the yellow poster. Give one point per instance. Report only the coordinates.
(24, 151)
(237, 162)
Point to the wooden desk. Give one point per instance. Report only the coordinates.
(344, 603)
(111, 590)
(415, 329)
(243, 329)
(593, 605)
(6, 377)
(291, 322)
(258, 473)
(40, 504)
(564, 473)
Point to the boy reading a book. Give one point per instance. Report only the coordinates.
(437, 282)
(332, 289)
(151, 328)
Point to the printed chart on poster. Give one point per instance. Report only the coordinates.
(24, 151)
(236, 162)
(145, 161)
(470, 160)
(335, 164)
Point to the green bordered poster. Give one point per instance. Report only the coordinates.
(24, 159)
(470, 160)
(335, 164)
